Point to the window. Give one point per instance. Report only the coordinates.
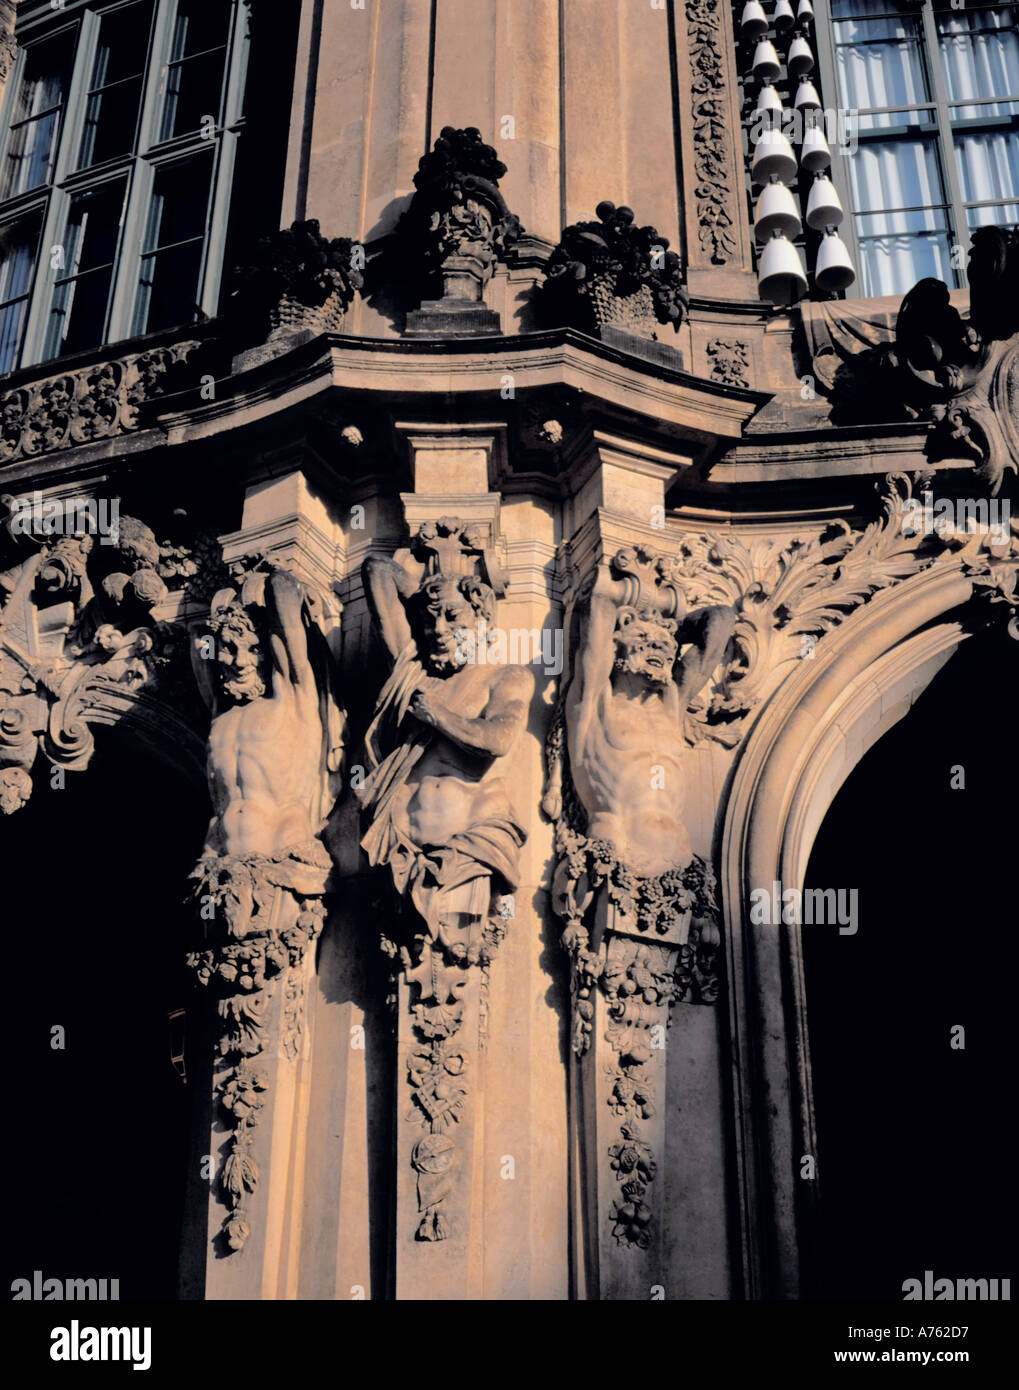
(935, 90)
(120, 131)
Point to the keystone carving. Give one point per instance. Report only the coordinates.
(264, 668)
(613, 275)
(438, 816)
(456, 229)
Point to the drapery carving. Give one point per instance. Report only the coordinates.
(438, 816)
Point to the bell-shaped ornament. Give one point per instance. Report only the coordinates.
(773, 158)
(800, 60)
(823, 206)
(815, 156)
(776, 211)
(766, 62)
(768, 110)
(833, 269)
(807, 97)
(783, 18)
(804, 12)
(753, 21)
(780, 277)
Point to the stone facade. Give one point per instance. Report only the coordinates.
(466, 567)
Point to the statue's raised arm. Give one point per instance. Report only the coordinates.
(388, 587)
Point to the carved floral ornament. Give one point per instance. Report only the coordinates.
(77, 626)
(91, 403)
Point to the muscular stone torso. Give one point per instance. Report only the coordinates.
(628, 771)
(264, 764)
(451, 790)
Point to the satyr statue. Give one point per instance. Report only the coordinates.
(436, 791)
(639, 910)
(263, 665)
(624, 708)
(440, 817)
(267, 742)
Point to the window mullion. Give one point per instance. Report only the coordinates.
(140, 187)
(73, 115)
(838, 173)
(50, 237)
(225, 159)
(949, 166)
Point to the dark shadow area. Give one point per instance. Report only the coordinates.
(915, 1136)
(94, 879)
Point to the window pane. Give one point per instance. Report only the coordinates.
(19, 246)
(893, 264)
(31, 145)
(980, 57)
(895, 174)
(180, 199)
(878, 57)
(81, 294)
(1004, 215)
(172, 250)
(988, 164)
(111, 112)
(194, 83)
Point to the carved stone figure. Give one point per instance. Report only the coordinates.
(641, 920)
(441, 819)
(436, 789)
(274, 742)
(624, 708)
(78, 593)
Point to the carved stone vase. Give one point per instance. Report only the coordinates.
(291, 315)
(631, 313)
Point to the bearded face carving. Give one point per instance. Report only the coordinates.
(645, 645)
(240, 661)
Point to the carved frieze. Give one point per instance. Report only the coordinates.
(713, 192)
(730, 362)
(91, 403)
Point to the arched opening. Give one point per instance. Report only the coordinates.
(94, 877)
(912, 1132)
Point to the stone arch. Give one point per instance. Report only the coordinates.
(804, 743)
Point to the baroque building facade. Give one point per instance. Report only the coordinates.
(469, 511)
